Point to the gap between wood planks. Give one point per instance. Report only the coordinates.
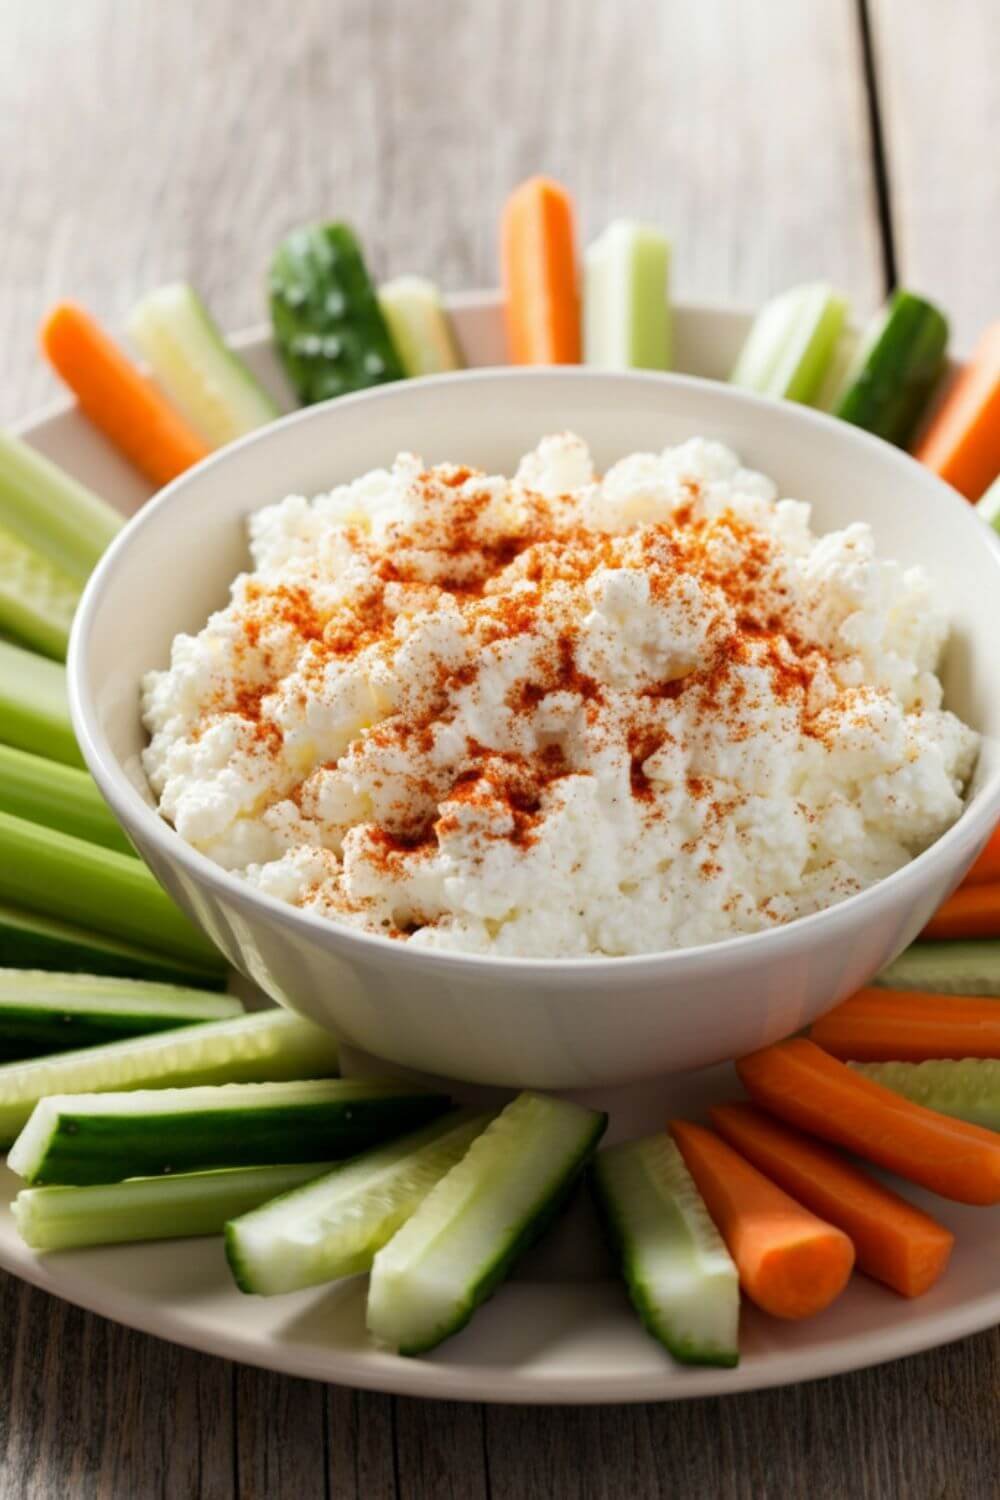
(880, 158)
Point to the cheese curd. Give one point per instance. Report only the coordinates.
(560, 714)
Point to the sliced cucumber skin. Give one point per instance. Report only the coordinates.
(331, 335)
(34, 707)
(627, 1251)
(29, 940)
(391, 1182)
(263, 1047)
(42, 1013)
(492, 1271)
(901, 362)
(968, 1090)
(969, 967)
(149, 1208)
(91, 1148)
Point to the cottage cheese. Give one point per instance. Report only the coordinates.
(559, 714)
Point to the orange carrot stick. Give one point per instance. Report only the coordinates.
(973, 911)
(800, 1083)
(893, 1241)
(116, 397)
(538, 260)
(962, 443)
(909, 1026)
(987, 867)
(791, 1263)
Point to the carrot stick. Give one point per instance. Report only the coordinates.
(973, 911)
(791, 1263)
(804, 1085)
(962, 442)
(909, 1026)
(987, 866)
(893, 1241)
(538, 260)
(116, 397)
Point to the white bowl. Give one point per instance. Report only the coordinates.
(523, 1022)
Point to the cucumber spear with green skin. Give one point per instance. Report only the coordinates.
(330, 331)
(897, 365)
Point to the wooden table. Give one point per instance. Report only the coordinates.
(778, 141)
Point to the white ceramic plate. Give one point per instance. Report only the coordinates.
(561, 1329)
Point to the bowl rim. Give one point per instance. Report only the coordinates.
(129, 805)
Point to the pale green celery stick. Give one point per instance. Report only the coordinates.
(37, 599)
(61, 797)
(150, 1208)
(419, 326)
(988, 505)
(835, 380)
(53, 513)
(79, 882)
(207, 382)
(791, 344)
(34, 708)
(626, 311)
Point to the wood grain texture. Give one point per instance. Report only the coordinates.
(141, 143)
(144, 142)
(938, 66)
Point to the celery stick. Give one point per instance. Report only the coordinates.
(626, 314)
(34, 709)
(419, 326)
(988, 505)
(61, 797)
(31, 941)
(209, 384)
(791, 344)
(37, 599)
(79, 882)
(151, 1208)
(53, 513)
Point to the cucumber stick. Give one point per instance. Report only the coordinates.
(37, 600)
(269, 1045)
(61, 797)
(328, 326)
(42, 1013)
(34, 707)
(626, 313)
(84, 1138)
(334, 1226)
(967, 1090)
(149, 1208)
(76, 881)
(209, 384)
(988, 505)
(51, 512)
(680, 1276)
(460, 1243)
(31, 941)
(959, 968)
(419, 327)
(896, 366)
(791, 344)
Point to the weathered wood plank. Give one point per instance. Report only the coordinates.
(361, 1445)
(188, 139)
(91, 1409)
(280, 1443)
(939, 83)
